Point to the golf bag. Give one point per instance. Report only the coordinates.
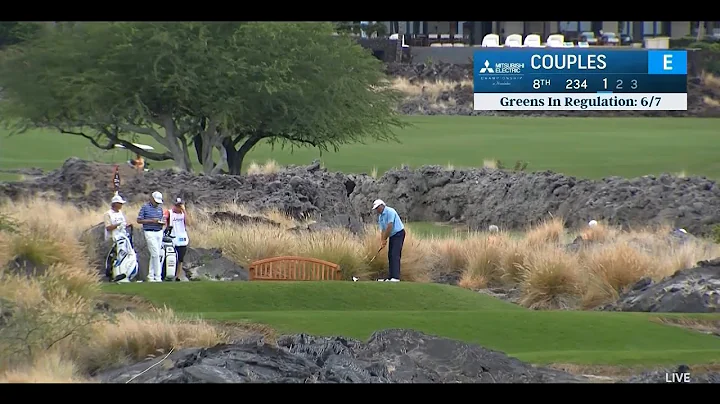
(168, 256)
(121, 262)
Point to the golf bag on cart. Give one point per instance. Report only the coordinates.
(121, 262)
(168, 256)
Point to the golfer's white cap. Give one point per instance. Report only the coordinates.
(157, 197)
(377, 203)
(683, 231)
(117, 199)
(592, 223)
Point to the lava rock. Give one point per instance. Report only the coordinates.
(298, 192)
(661, 375)
(694, 290)
(390, 356)
(475, 197)
(514, 199)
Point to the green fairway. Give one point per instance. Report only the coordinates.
(358, 309)
(437, 230)
(584, 147)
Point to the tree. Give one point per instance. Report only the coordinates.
(219, 86)
(13, 32)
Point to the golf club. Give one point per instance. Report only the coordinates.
(376, 254)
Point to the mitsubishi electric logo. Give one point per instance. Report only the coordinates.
(487, 68)
(502, 68)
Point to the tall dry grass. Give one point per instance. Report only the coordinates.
(269, 167)
(429, 89)
(550, 279)
(134, 336)
(547, 232)
(483, 261)
(51, 329)
(49, 368)
(608, 263)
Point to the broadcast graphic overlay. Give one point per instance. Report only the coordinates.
(587, 79)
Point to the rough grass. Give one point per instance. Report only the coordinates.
(549, 275)
(269, 167)
(132, 336)
(74, 339)
(52, 331)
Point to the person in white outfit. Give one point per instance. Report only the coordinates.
(116, 229)
(152, 221)
(179, 219)
(115, 222)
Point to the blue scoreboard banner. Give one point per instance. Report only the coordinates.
(568, 79)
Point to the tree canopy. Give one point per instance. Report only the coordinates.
(211, 86)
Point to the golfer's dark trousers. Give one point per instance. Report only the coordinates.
(395, 245)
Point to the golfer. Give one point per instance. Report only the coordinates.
(392, 232)
(151, 219)
(179, 219)
(115, 222)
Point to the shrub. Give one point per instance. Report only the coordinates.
(514, 254)
(338, 246)
(270, 167)
(8, 223)
(132, 337)
(547, 232)
(483, 263)
(449, 254)
(29, 332)
(600, 233)
(247, 243)
(550, 279)
(45, 244)
(48, 368)
(611, 269)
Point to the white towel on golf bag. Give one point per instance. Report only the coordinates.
(125, 259)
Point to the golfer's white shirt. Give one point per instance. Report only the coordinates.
(119, 219)
(179, 231)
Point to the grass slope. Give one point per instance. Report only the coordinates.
(587, 147)
(358, 309)
(205, 297)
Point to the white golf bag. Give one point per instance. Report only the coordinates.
(168, 256)
(121, 262)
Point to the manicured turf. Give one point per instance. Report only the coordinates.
(584, 147)
(311, 296)
(358, 309)
(437, 230)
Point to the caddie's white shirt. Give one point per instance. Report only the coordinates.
(119, 219)
(179, 231)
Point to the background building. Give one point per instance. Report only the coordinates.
(473, 31)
